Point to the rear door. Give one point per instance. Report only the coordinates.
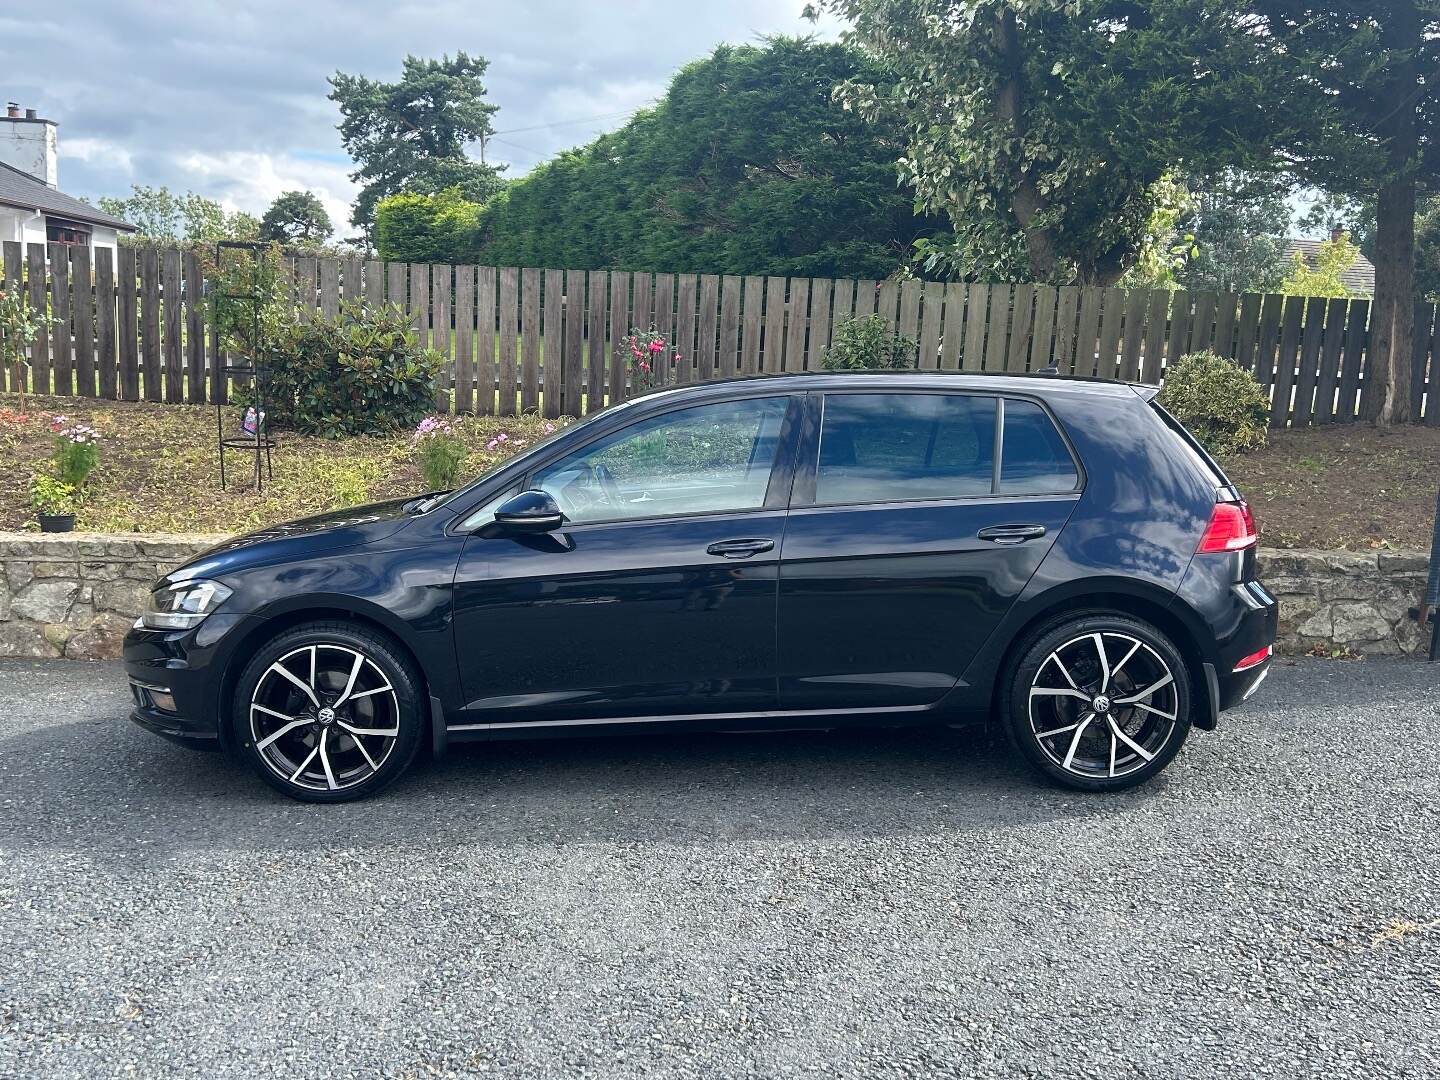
(917, 519)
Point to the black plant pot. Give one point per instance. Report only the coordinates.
(53, 523)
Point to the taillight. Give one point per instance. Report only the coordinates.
(1255, 658)
(1231, 528)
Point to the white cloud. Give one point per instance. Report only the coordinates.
(98, 153)
(249, 180)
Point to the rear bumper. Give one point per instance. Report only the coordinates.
(1238, 618)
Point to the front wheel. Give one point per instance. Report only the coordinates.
(1099, 702)
(327, 712)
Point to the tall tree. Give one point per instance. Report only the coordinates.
(296, 217)
(1370, 69)
(1238, 225)
(1042, 127)
(411, 135)
(162, 216)
(746, 166)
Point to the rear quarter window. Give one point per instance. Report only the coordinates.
(1034, 458)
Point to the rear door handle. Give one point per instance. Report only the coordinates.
(740, 549)
(1011, 534)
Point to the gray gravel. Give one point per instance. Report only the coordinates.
(863, 904)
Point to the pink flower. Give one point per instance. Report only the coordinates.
(676, 358)
(644, 366)
(657, 345)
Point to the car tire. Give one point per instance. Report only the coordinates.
(329, 712)
(1099, 701)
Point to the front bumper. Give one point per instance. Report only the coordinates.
(176, 678)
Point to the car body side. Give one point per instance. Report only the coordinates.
(1125, 544)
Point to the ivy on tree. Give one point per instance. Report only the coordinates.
(411, 135)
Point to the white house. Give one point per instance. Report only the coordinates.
(33, 210)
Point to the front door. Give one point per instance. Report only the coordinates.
(913, 530)
(657, 597)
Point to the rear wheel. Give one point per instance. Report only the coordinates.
(328, 712)
(1099, 702)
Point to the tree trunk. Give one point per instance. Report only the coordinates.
(1026, 201)
(1392, 322)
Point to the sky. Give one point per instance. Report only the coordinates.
(229, 100)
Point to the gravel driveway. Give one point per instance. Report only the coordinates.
(863, 904)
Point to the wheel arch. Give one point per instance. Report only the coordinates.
(272, 624)
(1162, 610)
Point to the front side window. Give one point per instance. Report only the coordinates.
(705, 459)
(898, 447)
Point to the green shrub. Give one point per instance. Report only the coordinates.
(441, 228)
(439, 451)
(361, 372)
(1223, 406)
(867, 343)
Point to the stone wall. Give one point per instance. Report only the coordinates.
(76, 594)
(1352, 601)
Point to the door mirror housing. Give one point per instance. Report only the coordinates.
(529, 512)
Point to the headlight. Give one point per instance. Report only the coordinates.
(183, 605)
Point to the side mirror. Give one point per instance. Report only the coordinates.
(529, 512)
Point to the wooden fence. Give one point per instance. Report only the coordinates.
(522, 340)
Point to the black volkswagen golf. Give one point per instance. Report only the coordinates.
(815, 550)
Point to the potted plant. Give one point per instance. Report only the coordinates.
(54, 503)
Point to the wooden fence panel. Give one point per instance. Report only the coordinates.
(329, 287)
(665, 326)
(707, 326)
(772, 356)
(374, 282)
(1286, 359)
(105, 356)
(1225, 305)
(572, 373)
(352, 280)
(1112, 322)
(1067, 310)
(932, 321)
(909, 311)
(953, 335)
(304, 271)
(1352, 361)
(38, 290)
(150, 360)
(1137, 301)
(508, 311)
(798, 316)
(465, 337)
(1202, 326)
(685, 300)
(1157, 322)
(1178, 344)
(998, 328)
(11, 374)
(977, 321)
(820, 307)
(1022, 328)
(727, 363)
(1307, 379)
(1327, 378)
(1249, 334)
(842, 305)
(127, 321)
(866, 292)
(1271, 313)
(194, 277)
(553, 332)
(171, 307)
(60, 329)
(1419, 357)
(620, 326)
(486, 331)
(1087, 333)
(751, 324)
(442, 292)
(529, 340)
(887, 300)
(82, 299)
(1042, 347)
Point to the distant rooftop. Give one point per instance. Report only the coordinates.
(1358, 277)
(20, 189)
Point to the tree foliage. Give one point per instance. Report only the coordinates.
(440, 228)
(161, 216)
(1325, 277)
(746, 166)
(1041, 127)
(1427, 251)
(411, 135)
(296, 217)
(1238, 224)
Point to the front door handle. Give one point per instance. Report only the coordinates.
(1011, 534)
(740, 549)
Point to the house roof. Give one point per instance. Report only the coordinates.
(20, 189)
(1358, 277)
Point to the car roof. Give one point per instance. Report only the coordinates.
(1035, 383)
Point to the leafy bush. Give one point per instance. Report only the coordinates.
(51, 495)
(1223, 406)
(361, 372)
(77, 450)
(441, 228)
(439, 452)
(868, 343)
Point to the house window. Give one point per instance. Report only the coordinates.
(63, 231)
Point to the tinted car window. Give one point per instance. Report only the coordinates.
(890, 447)
(704, 459)
(1035, 459)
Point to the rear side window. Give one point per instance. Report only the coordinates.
(1035, 459)
(897, 447)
